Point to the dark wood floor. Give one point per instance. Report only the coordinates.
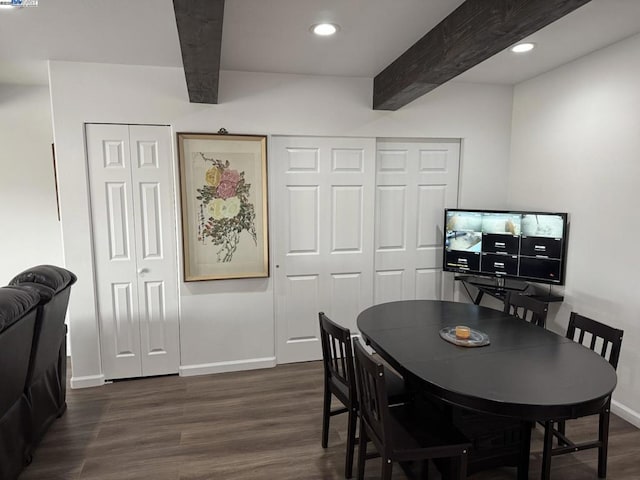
(262, 424)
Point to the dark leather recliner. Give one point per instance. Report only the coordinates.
(18, 312)
(45, 389)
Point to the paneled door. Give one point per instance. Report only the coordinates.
(323, 211)
(415, 182)
(134, 240)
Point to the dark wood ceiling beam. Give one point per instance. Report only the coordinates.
(200, 31)
(474, 32)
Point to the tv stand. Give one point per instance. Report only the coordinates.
(499, 286)
(499, 283)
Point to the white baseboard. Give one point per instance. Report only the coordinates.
(626, 413)
(232, 366)
(88, 381)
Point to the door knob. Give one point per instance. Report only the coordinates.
(142, 271)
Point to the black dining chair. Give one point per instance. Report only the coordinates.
(402, 433)
(606, 341)
(340, 381)
(526, 308)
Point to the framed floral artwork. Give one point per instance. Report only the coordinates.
(223, 185)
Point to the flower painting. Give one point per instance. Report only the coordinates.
(223, 183)
(225, 209)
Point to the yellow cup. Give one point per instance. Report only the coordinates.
(462, 332)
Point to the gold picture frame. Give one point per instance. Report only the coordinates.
(223, 191)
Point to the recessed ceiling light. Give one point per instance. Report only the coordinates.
(324, 29)
(523, 47)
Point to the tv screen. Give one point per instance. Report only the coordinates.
(525, 245)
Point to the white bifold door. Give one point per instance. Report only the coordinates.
(131, 179)
(415, 181)
(322, 208)
(357, 222)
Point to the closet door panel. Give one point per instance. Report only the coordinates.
(415, 181)
(152, 177)
(323, 248)
(114, 248)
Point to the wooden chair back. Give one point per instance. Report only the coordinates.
(374, 405)
(526, 308)
(603, 339)
(337, 356)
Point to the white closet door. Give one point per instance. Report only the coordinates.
(130, 176)
(152, 176)
(114, 252)
(415, 182)
(324, 199)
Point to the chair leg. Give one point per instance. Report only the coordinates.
(562, 427)
(425, 469)
(362, 451)
(387, 469)
(351, 442)
(463, 466)
(326, 414)
(525, 450)
(603, 437)
(546, 451)
(457, 468)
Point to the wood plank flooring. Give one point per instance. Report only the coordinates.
(256, 425)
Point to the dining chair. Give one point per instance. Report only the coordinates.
(340, 381)
(402, 433)
(606, 341)
(526, 308)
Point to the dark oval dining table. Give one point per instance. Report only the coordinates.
(526, 372)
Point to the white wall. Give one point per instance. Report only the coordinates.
(229, 324)
(575, 146)
(30, 228)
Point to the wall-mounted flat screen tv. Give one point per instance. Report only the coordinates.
(529, 246)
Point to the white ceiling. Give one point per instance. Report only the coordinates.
(273, 36)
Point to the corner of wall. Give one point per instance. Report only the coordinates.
(626, 413)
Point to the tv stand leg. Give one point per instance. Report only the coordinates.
(478, 298)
